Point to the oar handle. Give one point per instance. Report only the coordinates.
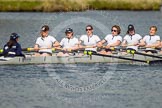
(27, 49)
(1, 50)
(33, 49)
(68, 50)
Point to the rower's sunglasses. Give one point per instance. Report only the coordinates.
(113, 30)
(88, 29)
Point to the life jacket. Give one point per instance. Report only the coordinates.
(15, 50)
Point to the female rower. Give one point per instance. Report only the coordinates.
(45, 42)
(131, 39)
(68, 43)
(89, 41)
(112, 40)
(151, 41)
(12, 48)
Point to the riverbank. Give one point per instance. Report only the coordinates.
(76, 5)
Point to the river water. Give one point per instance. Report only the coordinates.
(99, 85)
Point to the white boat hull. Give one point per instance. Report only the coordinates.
(73, 59)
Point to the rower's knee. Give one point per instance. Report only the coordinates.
(102, 52)
(62, 54)
(46, 54)
(36, 54)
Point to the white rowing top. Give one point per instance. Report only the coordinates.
(151, 40)
(90, 41)
(46, 42)
(69, 43)
(134, 39)
(110, 39)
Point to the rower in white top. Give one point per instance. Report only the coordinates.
(89, 41)
(45, 42)
(131, 40)
(112, 40)
(69, 43)
(151, 41)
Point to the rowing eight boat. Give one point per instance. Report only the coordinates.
(78, 58)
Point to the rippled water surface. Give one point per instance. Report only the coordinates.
(81, 86)
(98, 85)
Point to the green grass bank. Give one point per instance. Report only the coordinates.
(76, 5)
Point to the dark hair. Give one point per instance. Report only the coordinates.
(45, 28)
(153, 27)
(89, 26)
(118, 28)
(10, 43)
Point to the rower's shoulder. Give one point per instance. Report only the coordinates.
(137, 34)
(83, 35)
(147, 35)
(126, 35)
(119, 36)
(75, 38)
(50, 36)
(18, 44)
(108, 35)
(157, 36)
(95, 36)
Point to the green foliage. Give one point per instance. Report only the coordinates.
(122, 5)
(75, 5)
(19, 5)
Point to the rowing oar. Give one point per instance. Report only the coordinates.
(118, 48)
(32, 49)
(53, 49)
(68, 50)
(137, 60)
(149, 55)
(27, 49)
